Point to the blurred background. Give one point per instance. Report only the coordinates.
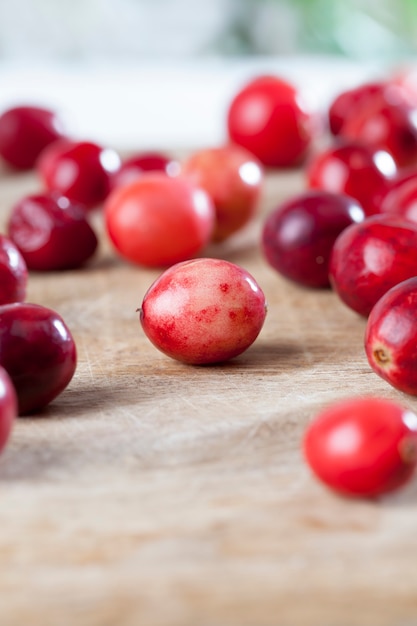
(158, 73)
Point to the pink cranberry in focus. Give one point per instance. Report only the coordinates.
(203, 311)
(354, 170)
(13, 272)
(80, 170)
(38, 352)
(371, 257)
(24, 133)
(298, 236)
(51, 232)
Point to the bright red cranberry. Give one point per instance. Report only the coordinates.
(134, 166)
(355, 170)
(203, 311)
(371, 257)
(391, 336)
(38, 352)
(233, 178)
(298, 236)
(8, 407)
(350, 100)
(267, 118)
(385, 126)
(80, 170)
(24, 132)
(51, 232)
(400, 197)
(362, 447)
(158, 220)
(13, 272)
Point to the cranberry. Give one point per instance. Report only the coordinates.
(299, 234)
(355, 170)
(233, 178)
(80, 170)
(362, 446)
(385, 126)
(8, 407)
(134, 166)
(347, 102)
(24, 132)
(51, 232)
(203, 311)
(268, 118)
(158, 220)
(13, 272)
(38, 352)
(400, 197)
(391, 336)
(371, 257)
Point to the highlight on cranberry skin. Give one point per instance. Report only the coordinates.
(203, 311)
(80, 170)
(268, 118)
(51, 232)
(391, 337)
(233, 178)
(8, 407)
(299, 234)
(13, 272)
(159, 220)
(38, 352)
(25, 131)
(362, 447)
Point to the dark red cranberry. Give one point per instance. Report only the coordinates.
(401, 196)
(355, 170)
(137, 164)
(8, 407)
(38, 352)
(80, 170)
(51, 232)
(298, 235)
(13, 272)
(24, 132)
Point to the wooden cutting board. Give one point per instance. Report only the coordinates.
(158, 494)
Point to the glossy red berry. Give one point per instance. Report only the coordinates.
(38, 352)
(298, 236)
(371, 257)
(362, 446)
(80, 170)
(391, 336)
(203, 311)
(158, 220)
(25, 131)
(233, 178)
(354, 170)
(13, 272)
(348, 101)
(268, 118)
(137, 164)
(8, 407)
(51, 232)
(400, 197)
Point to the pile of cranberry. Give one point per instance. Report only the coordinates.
(353, 229)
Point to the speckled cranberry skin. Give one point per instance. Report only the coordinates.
(391, 336)
(203, 311)
(38, 352)
(371, 257)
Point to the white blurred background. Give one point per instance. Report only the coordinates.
(160, 73)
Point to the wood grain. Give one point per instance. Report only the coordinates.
(157, 494)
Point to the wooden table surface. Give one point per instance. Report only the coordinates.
(158, 494)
